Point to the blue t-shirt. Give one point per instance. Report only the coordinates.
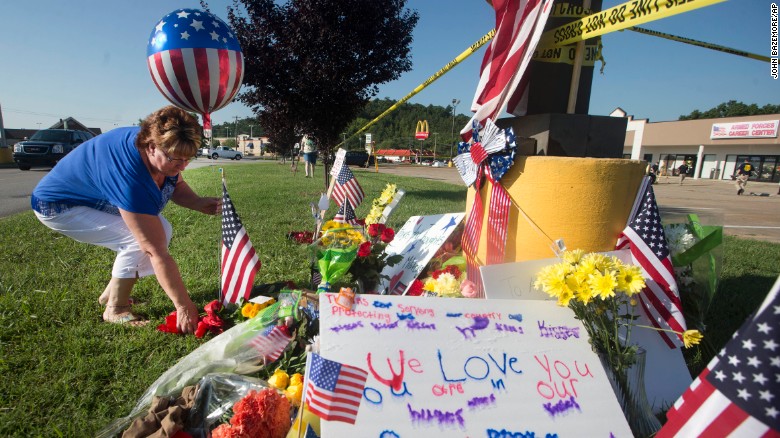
(105, 173)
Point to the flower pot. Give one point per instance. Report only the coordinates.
(629, 388)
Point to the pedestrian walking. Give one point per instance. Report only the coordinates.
(683, 169)
(743, 173)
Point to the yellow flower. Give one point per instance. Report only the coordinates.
(430, 285)
(296, 379)
(448, 285)
(603, 285)
(293, 394)
(565, 296)
(250, 310)
(630, 279)
(331, 224)
(585, 295)
(573, 257)
(279, 380)
(692, 337)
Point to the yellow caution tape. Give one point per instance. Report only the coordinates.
(465, 54)
(700, 43)
(565, 55)
(623, 16)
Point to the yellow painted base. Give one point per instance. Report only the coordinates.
(6, 155)
(584, 201)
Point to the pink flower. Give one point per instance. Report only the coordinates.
(364, 250)
(388, 235)
(468, 289)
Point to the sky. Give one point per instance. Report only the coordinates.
(86, 59)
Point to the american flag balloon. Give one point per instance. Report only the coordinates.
(195, 61)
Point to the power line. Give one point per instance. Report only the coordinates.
(57, 116)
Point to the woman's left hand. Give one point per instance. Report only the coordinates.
(209, 205)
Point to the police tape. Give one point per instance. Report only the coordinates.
(619, 17)
(465, 54)
(566, 55)
(700, 43)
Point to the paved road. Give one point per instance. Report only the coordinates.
(716, 202)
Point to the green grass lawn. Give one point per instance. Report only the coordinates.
(66, 373)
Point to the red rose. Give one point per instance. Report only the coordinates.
(387, 235)
(213, 307)
(416, 289)
(364, 250)
(375, 230)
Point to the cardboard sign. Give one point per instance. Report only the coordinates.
(338, 161)
(449, 367)
(417, 241)
(666, 374)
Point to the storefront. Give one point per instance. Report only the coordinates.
(712, 148)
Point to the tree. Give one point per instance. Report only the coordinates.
(732, 108)
(312, 65)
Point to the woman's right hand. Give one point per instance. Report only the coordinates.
(187, 318)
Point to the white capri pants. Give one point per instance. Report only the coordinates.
(88, 225)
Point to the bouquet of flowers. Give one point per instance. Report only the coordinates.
(335, 251)
(696, 257)
(600, 290)
(366, 269)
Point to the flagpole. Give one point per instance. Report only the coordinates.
(303, 394)
(219, 244)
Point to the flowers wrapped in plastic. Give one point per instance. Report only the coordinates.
(335, 251)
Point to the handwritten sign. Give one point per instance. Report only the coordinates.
(448, 367)
(417, 241)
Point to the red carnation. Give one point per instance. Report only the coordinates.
(416, 289)
(364, 250)
(388, 235)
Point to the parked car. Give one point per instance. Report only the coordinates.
(48, 146)
(438, 163)
(358, 158)
(224, 152)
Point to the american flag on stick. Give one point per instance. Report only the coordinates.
(334, 390)
(645, 237)
(347, 187)
(519, 25)
(346, 214)
(271, 345)
(239, 259)
(736, 394)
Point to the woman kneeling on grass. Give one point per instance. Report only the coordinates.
(110, 192)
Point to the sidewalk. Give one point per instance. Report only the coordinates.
(715, 201)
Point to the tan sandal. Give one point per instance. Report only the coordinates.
(128, 318)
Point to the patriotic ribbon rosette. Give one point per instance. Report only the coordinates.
(489, 156)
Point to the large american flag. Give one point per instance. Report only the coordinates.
(195, 61)
(334, 390)
(271, 344)
(346, 214)
(347, 187)
(645, 236)
(519, 25)
(736, 395)
(239, 260)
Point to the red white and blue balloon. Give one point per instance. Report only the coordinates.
(195, 61)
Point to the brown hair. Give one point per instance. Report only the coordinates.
(172, 129)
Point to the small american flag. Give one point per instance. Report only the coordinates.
(645, 236)
(347, 187)
(334, 389)
(519, 26)
(346, 214)
(735, 395)
(239, 260)
(271, 344)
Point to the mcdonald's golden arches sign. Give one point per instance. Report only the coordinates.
(421, 132)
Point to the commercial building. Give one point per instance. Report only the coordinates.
(712, 148)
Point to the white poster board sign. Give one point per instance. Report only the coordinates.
(338, 161)
(666, 374)
(449, 367)
(417, 241)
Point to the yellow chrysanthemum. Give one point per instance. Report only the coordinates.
(565, 296)
(329, 225)
(585, 295)
(430, 285)
(630, 279)
(573, 257)
(603, 285)
(447, 285)
(587, 265)
(692, 337)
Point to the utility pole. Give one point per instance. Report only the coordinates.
(250, 131)
(455, 103)
(236, 132)
(435, 138)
